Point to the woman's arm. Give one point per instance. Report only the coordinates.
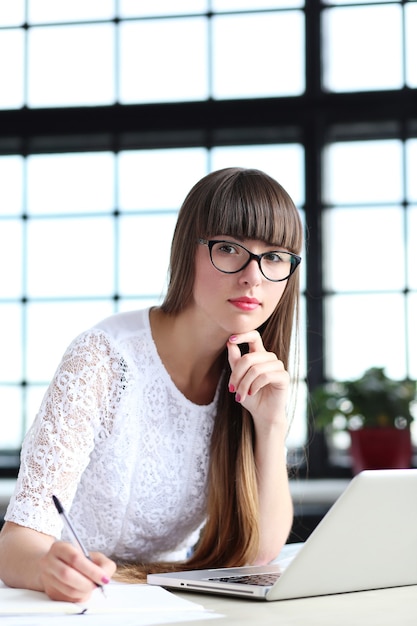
(261, 383)
(275, 502)
(54, 455)
(20, 552)
(32, 560)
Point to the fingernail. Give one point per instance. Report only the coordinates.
(233, 338)
(231, 388)
(105, 580)
(237, 397)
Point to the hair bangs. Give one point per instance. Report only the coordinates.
(251, 205)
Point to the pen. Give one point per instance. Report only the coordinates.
(72, 532)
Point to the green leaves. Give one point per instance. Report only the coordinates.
(374, 401)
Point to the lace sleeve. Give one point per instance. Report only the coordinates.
(75, 413)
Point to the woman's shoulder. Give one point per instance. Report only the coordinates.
(123, 325)
(111, 336)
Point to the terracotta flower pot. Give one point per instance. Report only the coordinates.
(380, 448)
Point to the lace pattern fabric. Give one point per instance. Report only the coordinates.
(123, 449)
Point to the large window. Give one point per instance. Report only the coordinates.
(93, 237)
(110, 111)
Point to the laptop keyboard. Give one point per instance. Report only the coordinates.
(252, 579)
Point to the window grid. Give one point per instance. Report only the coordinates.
(44, 305)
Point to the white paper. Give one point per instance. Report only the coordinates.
(129, 619)
(138, 605)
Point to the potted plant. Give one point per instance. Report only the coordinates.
(377, 413)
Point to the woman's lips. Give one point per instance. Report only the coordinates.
(245, 304)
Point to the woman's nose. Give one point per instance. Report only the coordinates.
(251, 274)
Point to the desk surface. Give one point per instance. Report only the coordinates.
(387, 607)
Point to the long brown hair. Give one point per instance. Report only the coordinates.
(241, 203)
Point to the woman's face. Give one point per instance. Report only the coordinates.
(236, 302)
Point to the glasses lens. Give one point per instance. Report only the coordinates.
(231, 257)
(278, 265)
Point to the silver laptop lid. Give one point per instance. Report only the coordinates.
(368, 540)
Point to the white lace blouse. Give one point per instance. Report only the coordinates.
(122, 448)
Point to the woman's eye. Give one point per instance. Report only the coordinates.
(272, 257)
(228, 249)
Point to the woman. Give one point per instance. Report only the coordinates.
(163, 431)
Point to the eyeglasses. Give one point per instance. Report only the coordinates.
(230, 257)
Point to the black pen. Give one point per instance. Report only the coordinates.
(72, 532)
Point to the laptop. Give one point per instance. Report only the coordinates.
(367, 540)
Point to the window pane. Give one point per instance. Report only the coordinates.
(163, 60)
(158, 179)
(145, 243)
(79, 72)
(302, 339)
(358, 55)
(411, 169)
(11, 419)
(11, 185)
(130, 303)
(70, 183)
(364, 331)
(11, 343)
(354, 1)
(258, 55)
(239, 5)
(411, 43)
(46, 11)
(11, 75)
(133, 8)
(70, 257)
(349, 179)
(357, 260)
(51, 327)
(11, 255)
(284, 162)
(297, 433)
(412, 334)
(412, 249)
(12, 13)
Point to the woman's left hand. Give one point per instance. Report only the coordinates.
(258, 379)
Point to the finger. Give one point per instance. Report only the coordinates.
(234, 354)
(270, 373)
(252, 338)
(74, 574)
(107, 565)
(253, 373)
(62, 582)
(91, 568)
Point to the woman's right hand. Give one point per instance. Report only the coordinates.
(67, 575)
(32, 560)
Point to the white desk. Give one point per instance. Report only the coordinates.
(388, 607)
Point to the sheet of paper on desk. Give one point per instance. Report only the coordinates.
(137, 605)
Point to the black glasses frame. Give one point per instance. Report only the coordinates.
(296, 260)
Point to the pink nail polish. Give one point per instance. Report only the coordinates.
(231, 388)
(237, 397)
(233, 338)
(105, 580)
